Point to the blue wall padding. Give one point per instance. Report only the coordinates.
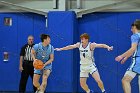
(12, 38)
(62, 28)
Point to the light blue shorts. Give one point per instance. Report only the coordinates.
(135, 65)
(39, 72)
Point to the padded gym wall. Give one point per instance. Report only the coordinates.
(8, 42)
(12, 38)
(63, 30)
(113, 29)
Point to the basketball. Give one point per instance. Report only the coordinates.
(38, 64)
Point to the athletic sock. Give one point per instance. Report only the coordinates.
(88, 91)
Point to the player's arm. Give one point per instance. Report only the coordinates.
(33, 51)
(134, 42)
(33, 54)
(50, 60)
(130, 51)
(68, 47)
(127, 54)
(103, 46)
(51, 57)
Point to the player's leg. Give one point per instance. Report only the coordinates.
(129, 75)
(139, 82)
(84, 85)
(95, 74)
(83, 78)
(97, 78)
(36, 77)
(45, 76)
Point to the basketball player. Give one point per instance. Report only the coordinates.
(134, 51)
(87, 66)
(43, 51)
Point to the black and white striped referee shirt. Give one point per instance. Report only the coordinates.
(26, 52)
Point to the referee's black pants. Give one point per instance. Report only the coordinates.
(28, 70)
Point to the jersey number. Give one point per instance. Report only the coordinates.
(84, 55)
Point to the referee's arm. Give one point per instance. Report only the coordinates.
(22, 52)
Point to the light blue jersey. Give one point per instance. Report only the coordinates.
(43, 54)
(135, 66)
(135, 38)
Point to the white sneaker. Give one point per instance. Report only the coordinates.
(40, 92)
(37, 91)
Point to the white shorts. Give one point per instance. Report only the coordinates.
(86, 69)
(130, 73)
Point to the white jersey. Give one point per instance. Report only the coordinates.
(86, 55)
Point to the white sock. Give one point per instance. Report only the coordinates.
(139, 83)
(103, 90)
(88, 91)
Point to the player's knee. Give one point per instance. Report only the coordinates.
(99, 81)
(83, 84)
(125, 80)
(44, 84)
(45, 76)
(35, 83)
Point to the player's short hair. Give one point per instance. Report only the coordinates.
(137, 24)
(85, 35)
(44, 36)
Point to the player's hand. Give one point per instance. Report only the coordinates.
(123, 60)
(110, 48)
(43, 66)
(34, 61)
(57, 49)
(20, 68)
(118, 58)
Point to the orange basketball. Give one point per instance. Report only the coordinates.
(38, 64)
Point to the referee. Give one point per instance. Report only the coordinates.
(26, 64)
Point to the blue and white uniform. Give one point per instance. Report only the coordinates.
(135, 65)
(87, 61)
(43, 54)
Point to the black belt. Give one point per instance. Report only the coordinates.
(27, 61)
